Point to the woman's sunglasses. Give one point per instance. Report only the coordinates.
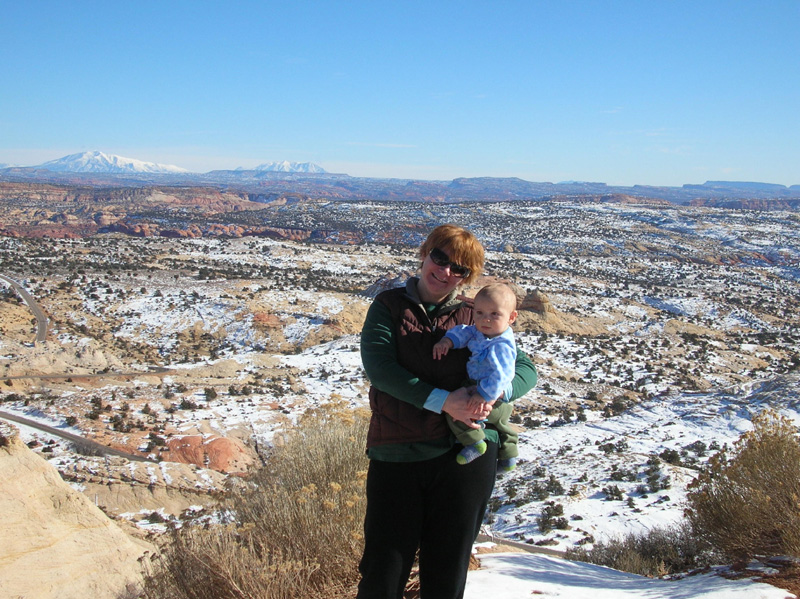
(439, 258)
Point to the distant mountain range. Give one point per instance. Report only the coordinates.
(273, 179)
(289, 167)
(98, 162)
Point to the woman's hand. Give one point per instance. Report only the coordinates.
(459, 406)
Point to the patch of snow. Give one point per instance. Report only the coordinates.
(522, 576)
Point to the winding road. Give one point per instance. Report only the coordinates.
(38, 313)
(85, 445)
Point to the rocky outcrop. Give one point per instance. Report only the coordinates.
(388, 281)
(748, 204)
(55, 542)
(140, 229)
(44, 359)
(121, 486)
(538, 302)
(217, 453)
(64, 211)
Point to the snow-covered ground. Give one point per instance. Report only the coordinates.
(525, 575)
(587, 457)
(686, 319)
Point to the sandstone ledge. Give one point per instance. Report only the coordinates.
(56, 542)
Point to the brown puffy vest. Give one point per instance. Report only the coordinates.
(396, 421)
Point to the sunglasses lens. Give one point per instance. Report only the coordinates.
(439, 258)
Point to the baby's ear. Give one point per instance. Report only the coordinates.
(512, 317)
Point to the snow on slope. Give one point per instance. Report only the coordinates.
(588, 457)
(98, 162)
(522, 576)
(290, 167)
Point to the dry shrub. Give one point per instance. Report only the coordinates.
(658, 552)
(298, 523)
(219, 562)
(747, 500)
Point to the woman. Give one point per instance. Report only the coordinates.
(418, 495)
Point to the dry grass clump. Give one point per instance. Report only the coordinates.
(659, 552)
(296, 528)
(747, 501)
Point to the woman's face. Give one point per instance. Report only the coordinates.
(436, 281)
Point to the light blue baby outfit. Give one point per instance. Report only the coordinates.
(492, 361)
(492, 367)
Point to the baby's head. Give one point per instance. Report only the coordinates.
(495, 309)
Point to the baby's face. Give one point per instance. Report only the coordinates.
(493, 317)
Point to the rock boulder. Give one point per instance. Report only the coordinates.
(55, 543)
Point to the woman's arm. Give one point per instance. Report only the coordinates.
(379, 357)
(525, 376)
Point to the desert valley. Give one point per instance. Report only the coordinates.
(188, 327)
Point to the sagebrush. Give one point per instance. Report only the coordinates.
(296, 524)
(747, 500)
(658, 552)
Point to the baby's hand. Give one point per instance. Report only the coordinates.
(441, 348)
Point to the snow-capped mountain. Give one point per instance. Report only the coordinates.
(98, 162)
(290, 167)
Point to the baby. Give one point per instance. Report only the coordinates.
(491, 366)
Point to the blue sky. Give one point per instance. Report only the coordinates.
(631, 92)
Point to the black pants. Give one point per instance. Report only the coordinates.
(435, 505)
